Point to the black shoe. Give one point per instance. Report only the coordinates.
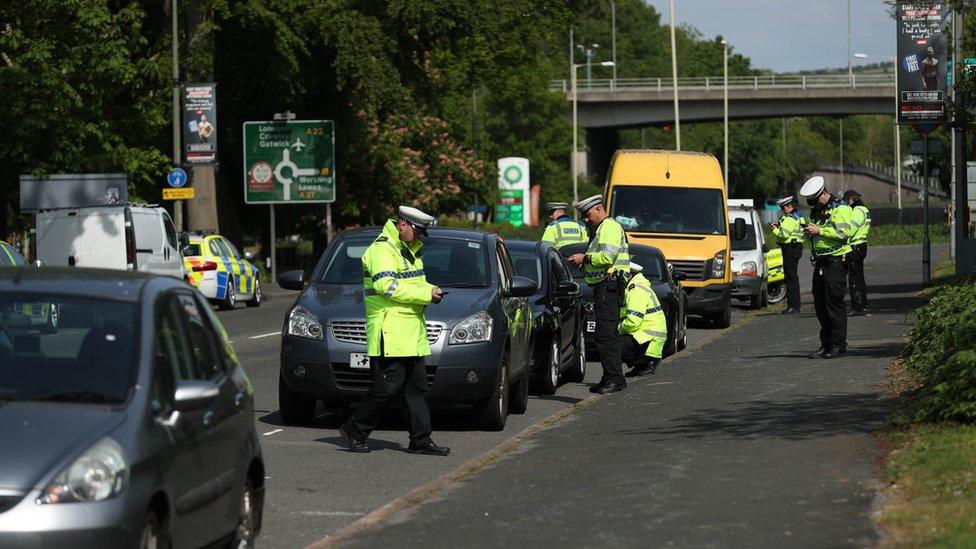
(596, 388)
(790, 311)
(818, 353)
(835, 352)
(613, 387)
(429, 449)
(855, 312)
(355, 444)
(644, 369)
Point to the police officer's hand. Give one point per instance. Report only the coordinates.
(811, 229)
(774, 224)
(435, 295)
(576, 259)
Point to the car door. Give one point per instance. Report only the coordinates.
(567, 305)
(516, 310)
(231, 265)
(172, 263)
(246, 283)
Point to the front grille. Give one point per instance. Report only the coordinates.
(348, 378)
(694, 269)
(8, 501)
(354, 331)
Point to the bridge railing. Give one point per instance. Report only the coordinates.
(707, 83)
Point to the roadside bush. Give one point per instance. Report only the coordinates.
(942, 355)
(505, 230)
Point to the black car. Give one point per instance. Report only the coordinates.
(667, 285)
(558, 341)
(479, 334)
(130, 424)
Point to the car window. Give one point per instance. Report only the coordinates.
(223, 340)
(527, 264)
(170, 231)
(214, 249)
(192, 249)
(231, 248)
(558, 268)
(202, 344)
(224, 250)
(173, 347)
(505, 269)
(747, 243)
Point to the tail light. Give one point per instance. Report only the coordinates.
(205, 266)
(130, 242)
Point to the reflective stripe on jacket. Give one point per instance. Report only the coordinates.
(563, 232)
(396, 293)
(835, 230)
(642, 315)
(607, 253)
(790, 229)
(861, 219)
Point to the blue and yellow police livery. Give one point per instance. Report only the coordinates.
(9, 256)
(220, 272)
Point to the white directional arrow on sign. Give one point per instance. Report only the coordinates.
(295, 170)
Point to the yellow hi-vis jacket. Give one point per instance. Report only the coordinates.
(835, 231)
(790, 229)
(396, 293)
(642, 316)
(861, 222)
(607, 252)
(563, 232)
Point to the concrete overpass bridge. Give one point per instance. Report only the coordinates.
(607, 106)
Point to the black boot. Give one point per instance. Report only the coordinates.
(818, 353)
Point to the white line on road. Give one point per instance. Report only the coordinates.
(332, 513)
(269, 334)
(269, 433)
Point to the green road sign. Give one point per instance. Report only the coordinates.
(289, 162)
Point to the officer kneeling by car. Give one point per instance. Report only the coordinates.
(643, 326)
(396, 293)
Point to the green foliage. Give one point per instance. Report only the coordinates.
(505, 230)
(901, 235)
(942, 354)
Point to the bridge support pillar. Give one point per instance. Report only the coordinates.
(600, 146)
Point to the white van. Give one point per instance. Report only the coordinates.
(749, 269)
(134, 238)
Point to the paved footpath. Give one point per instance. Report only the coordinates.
(743, 442)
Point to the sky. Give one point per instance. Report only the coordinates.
(791, 35)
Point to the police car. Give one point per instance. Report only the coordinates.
(9, 256)
(215, 268)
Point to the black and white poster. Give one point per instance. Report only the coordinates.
(922, 61)
(200, 123)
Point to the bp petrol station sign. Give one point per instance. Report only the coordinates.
(287, 162)
(513, 191)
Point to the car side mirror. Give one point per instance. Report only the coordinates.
(184, 240)
(522, 287)
(193, 395)
(292, 280)
(739, 229)
(566, 288)
(679, 275)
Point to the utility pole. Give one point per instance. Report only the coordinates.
(674, 77)
(961, 208)
(177, 148)
(850, 44)
(613, 39)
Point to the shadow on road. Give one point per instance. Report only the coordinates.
(799, 418)
(557, 398)
(374, 444)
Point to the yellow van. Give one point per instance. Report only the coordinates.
(675, 201)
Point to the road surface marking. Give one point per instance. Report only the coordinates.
(332, 513)
(269, 433)
(269, 334)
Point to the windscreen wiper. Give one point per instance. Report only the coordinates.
(78, 396)
(461, 285)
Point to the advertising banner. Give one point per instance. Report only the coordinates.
(513, 192)
(200, 123)
(289, 162)
(922, 61)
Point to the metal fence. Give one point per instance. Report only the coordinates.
(707, 83)
(890, 215)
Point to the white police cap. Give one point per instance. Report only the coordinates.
(635, 267)
(784, 201)
(813, 187)
(553, 206)
(418, 219)
(584, 205)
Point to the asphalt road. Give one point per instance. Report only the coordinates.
(314, 486)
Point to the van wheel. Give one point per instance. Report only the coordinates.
(230, 296)
(494, 412)
(295, 408)
(755, 302)
(724, 319)
(257, 297)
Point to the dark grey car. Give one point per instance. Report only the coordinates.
(324, 333)
(130, 424)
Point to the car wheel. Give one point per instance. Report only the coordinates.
(578, 372)
(494, 412)
(671, 344)
(519, 399)
(257, 297)
(150, 538)
(53, 320)
(295, 409)
(230, 296)
(776, 292)
(549, 380)
(765, 297)
(244, 533)
(683, 342)
(724, 319)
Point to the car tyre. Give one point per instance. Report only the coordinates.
(724, 319)
(295, 408)
(755, 302)
(245, 533)
(776, 292)
(494, 412)
(577, 373)
(255, 300)
(151, 536)
(53, 320)
(230, 296)
(683, 342)
(519, 399)
(549, 380)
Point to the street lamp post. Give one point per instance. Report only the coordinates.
(674, 80)
(177, 153)
(725, 111)
(572, 157)
(588, 53)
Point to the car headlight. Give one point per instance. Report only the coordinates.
(474, 329)
(302, 323)
(748, 268)
(99, 473)
(718, 265)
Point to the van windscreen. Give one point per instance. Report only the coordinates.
(747, 243)
(681, 210)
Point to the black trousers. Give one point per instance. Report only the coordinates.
(395, 377)
(632, 352)
(606, 308)
(791, 258)
(829, 287)
(855, 268)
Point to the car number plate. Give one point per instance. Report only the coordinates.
(590, 325)
(359, 361)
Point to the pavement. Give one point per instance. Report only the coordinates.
(741, 441)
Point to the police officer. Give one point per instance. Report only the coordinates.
(789, 233)
(604, 264)
(829, 233)
(397, 293)
(860, 226)
(643, 327)
(562, 229)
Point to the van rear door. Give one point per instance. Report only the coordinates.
(83, 237)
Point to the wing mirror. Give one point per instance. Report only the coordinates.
(522, 287)
(184, 241)
(566, 288)
(739, 229)
(194, 395)
(292, 280)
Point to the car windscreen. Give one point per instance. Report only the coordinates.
(65, 348)
(679, 210)
(747, 243)
(527, 264)
(650, 261)
(448, 262)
